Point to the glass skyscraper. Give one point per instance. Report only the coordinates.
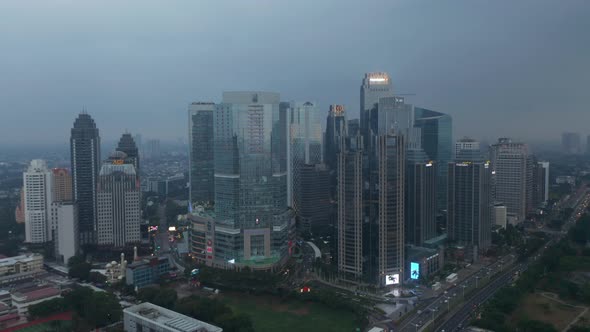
(437, 141)
(253, 225)
(85, 154)
(200, 120)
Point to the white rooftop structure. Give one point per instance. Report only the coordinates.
(148, 316)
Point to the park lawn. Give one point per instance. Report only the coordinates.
(537, 307)
(270, 314)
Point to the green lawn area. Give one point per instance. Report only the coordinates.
(270, 314)
(49, 327)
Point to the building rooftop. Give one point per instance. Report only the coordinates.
(169, 319)
(19, 259)
(37, 292)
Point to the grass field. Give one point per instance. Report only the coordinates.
(538, 307)
(269, 314)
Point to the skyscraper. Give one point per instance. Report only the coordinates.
(420, 197)
(253, 222)
(85, 154)
(375, 86)
(350, 209)
(128, 146)
(304, 147)
(61, 185)
(335, 129)
(469, 204)
(315, 209)
(38, 199)
(510, 165)
(119, 206)
(571, 143)
(201, 179)
(540, 183)
(437, 141)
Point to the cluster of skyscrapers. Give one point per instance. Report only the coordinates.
(97, 204)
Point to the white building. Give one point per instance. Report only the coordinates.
(38, 198)
(500, 216)
(67, 237)
(150, 317)
(21, 264)
(119, 210)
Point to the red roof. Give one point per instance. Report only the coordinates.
(4, 318)
(41, 293)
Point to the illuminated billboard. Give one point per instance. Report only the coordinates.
(391, 279)
(414, 270)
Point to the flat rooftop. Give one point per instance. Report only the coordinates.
(9, 261)
(169, 319)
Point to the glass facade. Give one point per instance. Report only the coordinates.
(437, 142)
(250, 175)
(201, 152)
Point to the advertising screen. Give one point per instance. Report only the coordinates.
(392, 279)
(414, 270)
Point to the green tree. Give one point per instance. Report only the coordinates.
(103, 309)
(48, 308)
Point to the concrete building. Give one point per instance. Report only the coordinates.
(128, 146)
(38, 199)
(316, 209)
(423, 262)
(420, 197)
(541, 183)
(304, 146)
(335, 129)
(119, 203)
(153, 151)
(85, 154)
(201, 165)
(571, 143)
(22, 299)
(202, 235)
(146, 272)
(61, 185)
(510, 166)
(499, 215)
(254, 226)
(374, 86)
(67, 241)
(150, 317)
(21, 264)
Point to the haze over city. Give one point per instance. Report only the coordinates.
(498, 68)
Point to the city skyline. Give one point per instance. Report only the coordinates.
(146, 76)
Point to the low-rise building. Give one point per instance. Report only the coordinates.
(144, 272)
(20, 264)
(150, 317)
(423, 262)
(22, 299)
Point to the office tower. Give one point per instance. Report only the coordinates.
(387, 192)
(571, 143)
(437, 141)
(354, 127)
(420, 197)
(253, 222)
(61, 185)
(119, 206)
(139, 143)
(350, 209)
(509, 163)
(467, 145)
(540, 183)
(153, 149)
(19, 213)
(499, 215)
(335, 129)
(315, 209)
(305, 146)
(374, 86)
(200, 129)
(469, 205)
(128, 146)
(38, 193)
(85, 154)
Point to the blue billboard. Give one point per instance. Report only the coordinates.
(414, 270)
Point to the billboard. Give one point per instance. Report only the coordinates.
(391, 279)
(414, 271)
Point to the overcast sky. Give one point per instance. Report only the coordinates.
(499, 67)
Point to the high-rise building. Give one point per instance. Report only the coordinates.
(350, 213)
(38, 199)
(304, 147)
(437, 141)
(511, 181)
(315, 209)
(61, 185)
(85, 154)
(469, 205)
(153, 149)
(128, 146)
(253, 225)
(540, 183)
(571, 143)
(375, 86)
(335, 129)
(388, 217)
(201, 179)
(119, 206)
(354, 127)
(67, 234)
(420, 197)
